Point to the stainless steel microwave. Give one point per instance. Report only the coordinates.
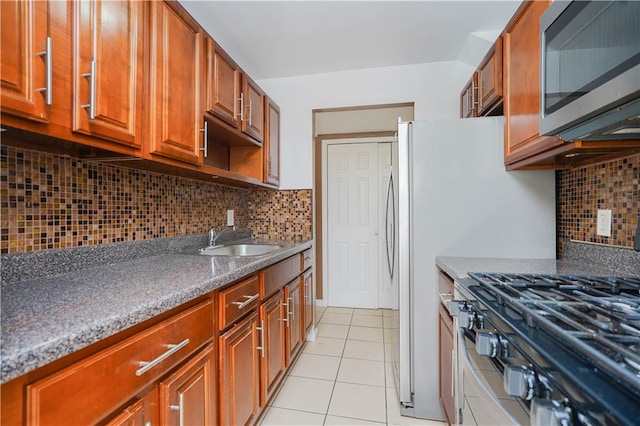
(590, 70)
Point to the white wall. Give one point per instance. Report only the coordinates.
(434, 88)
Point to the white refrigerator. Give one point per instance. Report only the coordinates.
(451, 196)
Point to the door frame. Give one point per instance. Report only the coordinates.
(320, 143)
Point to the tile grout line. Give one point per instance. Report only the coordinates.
(337, 372)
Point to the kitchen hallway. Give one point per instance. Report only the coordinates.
(344, 377)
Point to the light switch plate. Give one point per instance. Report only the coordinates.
(604, 223)
(230, 218)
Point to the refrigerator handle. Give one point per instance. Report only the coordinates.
(391, 198)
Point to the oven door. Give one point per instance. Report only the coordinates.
(481, 396)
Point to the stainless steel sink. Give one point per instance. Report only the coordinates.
(239, 250)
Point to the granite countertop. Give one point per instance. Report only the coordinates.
(45, 318)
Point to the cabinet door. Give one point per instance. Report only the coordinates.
(295, 324)
(26, 61)
(142, 412)
(490, 79)
(175, 92)
(223, 84)
(271, 145)
(468, 98)
(108, 69)
(272, 342)
(187, 397)
(446, 364)
(521, 48)
(309, 301)
(253, 109)
(239, 373)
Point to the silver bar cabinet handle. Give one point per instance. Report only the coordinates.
(148, 365)
(262, 343)
(91, 76)
(179, 408)
(241, 107)
(250, 112)
(286, 315)
(205, 132)
(48, 60)
(246, 302)
(292, 305)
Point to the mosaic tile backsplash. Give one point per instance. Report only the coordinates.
(50, 201)
(581, 192)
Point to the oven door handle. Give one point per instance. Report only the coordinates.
(481, 382)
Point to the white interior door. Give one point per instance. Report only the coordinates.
(352, 225)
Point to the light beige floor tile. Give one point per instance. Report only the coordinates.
(373, 351)
(394, 417)
(325, 346)
(332, 318)
(338, 310)
(367, 321)
(304, 394)
(281, 416)
(389, 375)
(388, 312)
(362, 372)
(336, 331)
(368, 334)
(358, 402)
(345, 421)
(367, 312)
(388, 351)
(390, 322)
(316, 366)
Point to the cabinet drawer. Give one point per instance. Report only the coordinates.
(445, 284)
(305, 260)
(237, 300)
(276, 276)
(86, 392)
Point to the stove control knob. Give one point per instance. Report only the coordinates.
(467, 318)
(519, 381)
(549, 412)
(487, 343)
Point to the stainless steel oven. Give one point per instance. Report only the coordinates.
(547, 349)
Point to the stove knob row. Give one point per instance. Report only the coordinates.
(519, 381)
(549, 412)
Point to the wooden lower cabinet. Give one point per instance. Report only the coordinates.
(309, 300)
(446, 365)
(239, 373)
(294, 313)
(272, 342)
(143, 411)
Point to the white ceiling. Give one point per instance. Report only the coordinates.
(272, 39)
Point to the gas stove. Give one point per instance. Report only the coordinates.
(567, 347)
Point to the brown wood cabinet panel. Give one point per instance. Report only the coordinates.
(108, 69)
(238, 300)
(271, 145)
(253, 109)
(521, 51)
(278, 275)
(446, 364)
(223, 84)
(309, 300)
(306, 258)
(24, 33)
(295, 321)
(490, 79)
(468, 98)
(106, 380)
(239, 373)
(132, 416)
(272, 358)
(176, 61)
(188, 395)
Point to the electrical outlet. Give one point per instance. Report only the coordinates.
(230, 218)
(604, 223)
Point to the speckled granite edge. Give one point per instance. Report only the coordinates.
(18, 358)
(39, 264)
(623, 261)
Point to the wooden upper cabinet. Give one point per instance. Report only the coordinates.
(271, 144)
(490, 79)
(223, 85)
(468, 97)
(25, 49)
(108, 69)
(252, 109)
(521, 54)
(176, 62)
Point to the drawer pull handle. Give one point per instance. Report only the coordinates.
(148, 365)
(250, 299)
(262, 342)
